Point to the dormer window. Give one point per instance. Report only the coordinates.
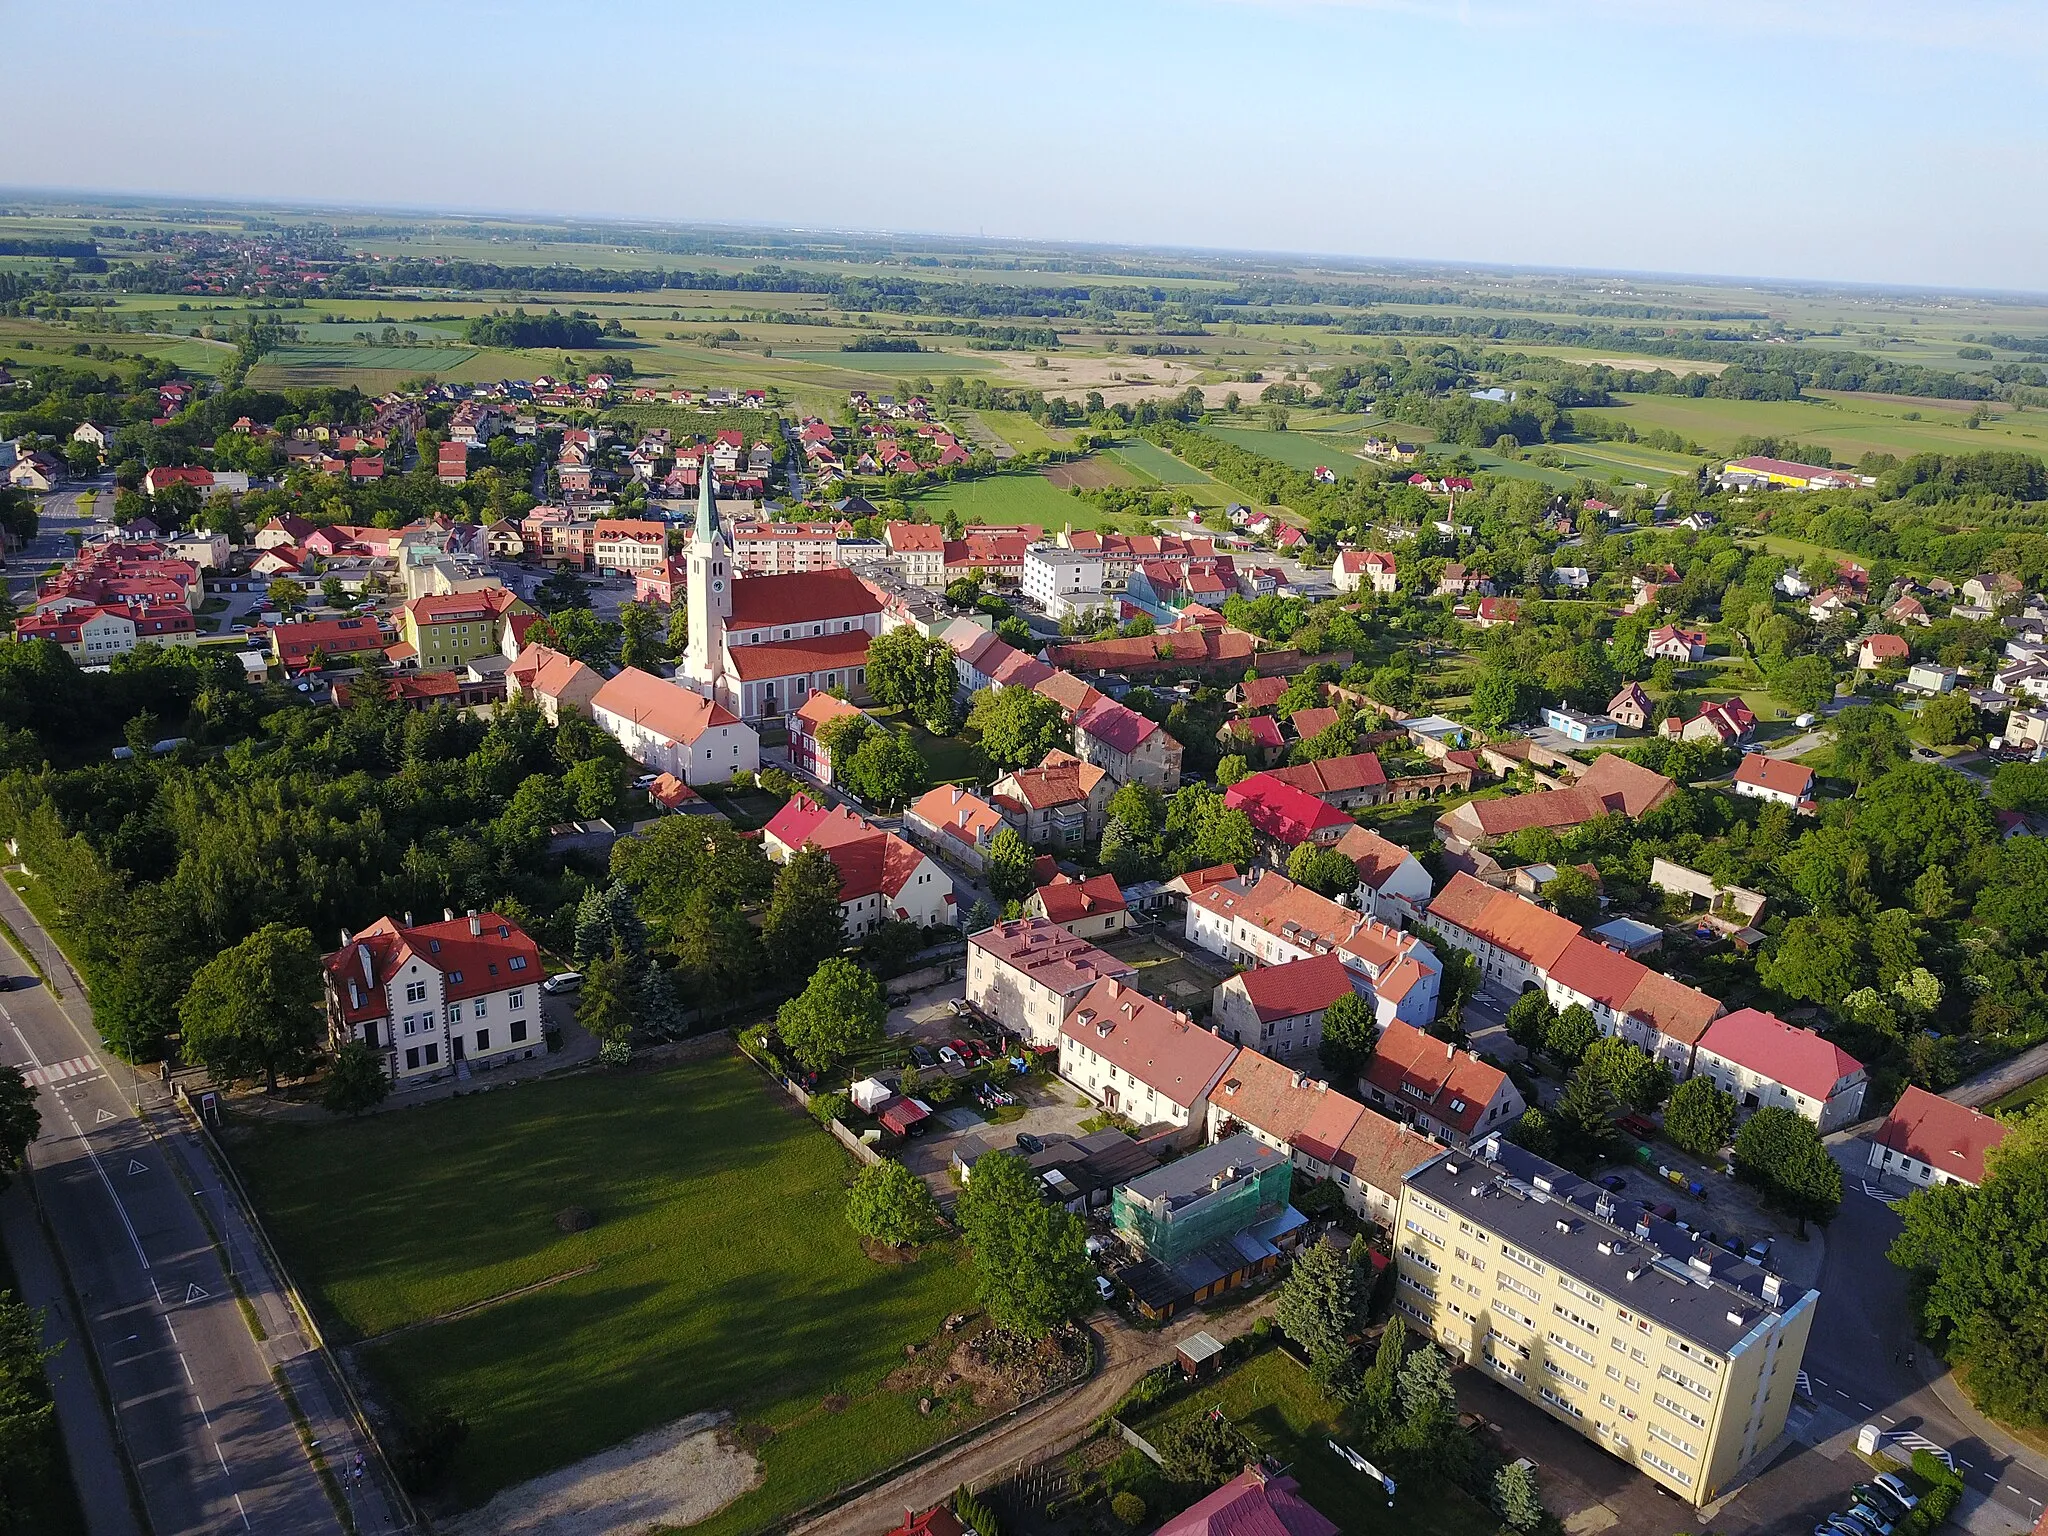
(434, 946)
(455, 978)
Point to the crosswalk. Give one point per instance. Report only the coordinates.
(1913, 1442)
(61, 1071)
(1877, 1193)
(1804, 1385)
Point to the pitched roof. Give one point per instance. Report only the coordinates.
(1048, 954)
(1776, 775)
(1506, 921)
(1159, 1047)
(1298, 987)
(1285, 1104)
(471, 963)
(1377, 858)
(1948, 1137)
(1673, 1009)
(1109, 722)
(548, 672)
(1065, 898)
(1639, 790)
(668, 709)
(1261, 692)
(1059, 779)
(1764, 1043)
(760, 602)
(928, 538)
(1258, 731)
(799, 658)
(956, 813)
(1413, 1067)
(1067, 691)
(821, 709)
(1380, 1152)
(1281, 811)
(1312, 722)
(1333, 775)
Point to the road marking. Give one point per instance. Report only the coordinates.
(1865, 1407)
(195, 1293)
(1888, 1418)
(188, 1371)
(135, 1166)
(1804, 1385)
(79, 1131)
(77, 1066)
(1962, 1463)
(103, 1117)
(1816, 1380)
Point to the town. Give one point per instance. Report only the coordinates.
(712, 878)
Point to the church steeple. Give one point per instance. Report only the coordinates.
(708, 592)
(707, 505)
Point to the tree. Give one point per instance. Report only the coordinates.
(332, 592)
(840, 1009)
(1030, 1257)
(609, 1007)
(1529, 1019)
(1582, 1119)
(1323, 870)
(640, 639)
(355, 1080)
(1516, 1498)
(1350, 1033)
(1804, 682)
(1010, 864)
(1233, 767)
(913, 673)
(1573, 896)
(1640, 1081)
(1319, 1306)
(1017, 726)
(253, 1010)
(1203, 1450)
(1428, 1431)
(20, 1122)
(886, 769)
(1496, 699)
(1948, 718)
(287, 594)
(1141, 809)
(804, 922)
(1781, 1153)
(1700, 1117)
(1571, 1034)
(1816, 959)
(29, 1439)
(891, 1205)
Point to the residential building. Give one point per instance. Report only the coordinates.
(1763, 1062)
(629, 544)
(784, 549)
(958, 826)
(1676, 1357)
(1090, 908)
(1575, 725)
(93, 635)
(1346, 782)
(1775, 779)
(451, 464)
(920, 548)
(465, 989)
(1392, 884)
(1927, 1139)
(1028, 975)
(294, 646)
(1370, 569)
(1669, 642)
(208, 551)
(808, 753)
(1279, 1009)
(446, 633)
(1930, 677)
(882, 878)
(1256, 1500)
(1139, 1057)
(1206, 1223)
(558, 684)
(1267, 919)
(1873, 652)
(1283, 816)
(1062, 803)
(1127, 746)
(1441, 1091)
(1630, 708)
(1612, 783)
(1065, 583)
(666, 728)
(1520, 945)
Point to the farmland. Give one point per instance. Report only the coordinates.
(1020, 497)
(718, 1273)
(1849, 426)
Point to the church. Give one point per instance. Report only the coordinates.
(761, 645)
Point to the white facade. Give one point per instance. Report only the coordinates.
(1064, 582)
(1754, 1090)
(719, 752)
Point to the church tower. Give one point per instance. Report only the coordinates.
(709, 589)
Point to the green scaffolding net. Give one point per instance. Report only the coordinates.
(1170, 1226)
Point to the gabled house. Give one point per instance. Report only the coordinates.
(1141, 1058)
(1127, 746)
(1762, 1062)
(666, 728)
(1927, 1139)
(1441, 1091)
(557, 683)
(1873, 652)
(1283, 816)
(1093, 908)
(1769, 778)
(1279, 1009)
(1670, 642)
(955, 824)
(1063, 802)
(1630, 708)
(1029, 974)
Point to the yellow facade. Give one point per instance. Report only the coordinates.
(456, 640)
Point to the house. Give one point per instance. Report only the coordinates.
(558, 684)
(294, 646)
(1283, 816)
(882, 878)
(162, 478)
(1875, 651)
(1611, 784)
(286, 530)
(1392, 884)
(1257, 695)
(452, 463)
(949, 821)
(1065, 583)
(1630, 708)
(453, 630)
(1762, 1062)
(1908, 610)
(920, 548)
(2026, 729)
(1770, 778)
(808, 753)
(1370, 569)
(1279, 1009)
(1138, 1057)
(666, 728)
(782, 549)
(1929, 678)
(1063, 802)
(1574, 725)
(1091, 908)
(1931, 1140)
(1456, 580)
(1496, 610)
(1029, 974)
(37, 472)
(1989, 591)
(1724, 723)
(1257, 1502)
(1345, 782)
(1441, 1091)
(1127, 746)
(465, 989)
(1670, 642)
(1256, 738)
(1073, 696)
(629, 544)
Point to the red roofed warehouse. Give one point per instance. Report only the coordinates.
(462, 989)
(1141, 1058)
(1932, 1140)
(1762, 1061)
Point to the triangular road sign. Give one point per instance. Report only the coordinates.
(135, 1167)
(195, 1293)
(102, 1117)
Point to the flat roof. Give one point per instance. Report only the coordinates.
(1652, 1267)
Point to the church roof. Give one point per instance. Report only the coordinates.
(803, 597)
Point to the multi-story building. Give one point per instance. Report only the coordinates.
(1763, 1062)
(1027, 975)
(1674, 1356)
(1279, 1008)
(299, 645)
(882, 878)
(558, 684)
(920, 548)
(1769, 778)
(447, 633)
(1392, 884)
(1063, 802)
(92, 635)
(1369, 568)
(1206, 1223)
(1443, 1092)
(425, 998)
(666, 728)
(1140, 1057)
(1065, 583)
(808, 753)
(1091, 908)
(1127, 746)
(952, 823)
(629, 544)
(782, 549)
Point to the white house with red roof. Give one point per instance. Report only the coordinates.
(1279, 1008)
(1062, 802)
(1090, 908)
(1371, 569)
(1927, 1139)
(666, 728)
(1127, 746)
(955, 824)
(1669, 642)
(1873, 652)
(1440, 1090)
(1028, 974)
(557, 683)
(1141, 1058)
(1763, 1062)
(1775, 779)
(882, 878)
(465, 989)
(1284, 816)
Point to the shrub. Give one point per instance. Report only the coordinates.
(827, 1107)
(1128, 1508)
(615, 1053)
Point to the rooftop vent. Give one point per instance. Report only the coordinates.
(1773, 1288)
(1451, 1168)
(1634, 1270)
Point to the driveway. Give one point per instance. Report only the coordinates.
(1051, 1108)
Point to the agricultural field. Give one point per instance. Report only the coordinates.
(1022, 497)
(719, 1274)
(1848, 426)
(1022, 433)
(1298, 450)
(912, 364)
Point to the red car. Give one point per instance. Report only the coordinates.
(966, 1051)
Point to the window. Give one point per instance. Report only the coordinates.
(1664, 1466)
(1568, 1346)
(1672, 1406)
(1551, 1367)
(1584, 1293)
(517, 999)
(1423, 1232)
(412, 1059)
(518, 1030)
(477, 1009)
(415, 991)
(455, 977)
(455, 1013)
(1515, 1256)
(1698, 1389)
(1508, 1282)
(1556, 1401)
(1573, 1318)
(1434, 1209)
(483, 1039)
(1511, 1314)
(411, 1026)
(433, 1054)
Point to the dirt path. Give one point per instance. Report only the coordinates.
(1054, 1426)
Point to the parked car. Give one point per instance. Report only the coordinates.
(1759, 1251)
(1863, 1510)
(1637, 1126)
(563, 981)
(1613, 1183)
(922, 1056)
(1895, 1486)
(949, 1057)
(962, 1051)
(1105, 1288)
(1026, 1142)
(1854, 1523)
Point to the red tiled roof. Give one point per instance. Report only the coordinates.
(1312, 722)
(799, 658)
(1298, 987)
(1253, 1503)
(1060, 779)
(1048, 954)
(1946, 1136)
(1110, 722)
(471, 964)
(1375, 856)
(1887, 647)
(1066, 898)
(1417, 1068)
(760, 602)
(1520, 927)
(1281, 811)
(1776, 775)
(1067, 691)
(1261, 692)
(666, 708)
(1293, 1109)
(1159, 1047)
(1258, 731)
(1333, 775)
(955, 812)
(1765, 1044)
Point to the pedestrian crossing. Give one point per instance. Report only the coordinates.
(61, 1071)
(1913, 1442)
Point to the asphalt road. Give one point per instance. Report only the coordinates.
(207, 1431)
(1857, 1360)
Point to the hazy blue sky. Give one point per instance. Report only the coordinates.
(1875, 140)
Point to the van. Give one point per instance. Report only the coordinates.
(563, 981)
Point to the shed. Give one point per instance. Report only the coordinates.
(870, 1094)
(1196, 1351)
(902, 1117)
(1629, 936)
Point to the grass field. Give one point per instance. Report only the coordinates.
(935, 364)
(343, 355)
(1848, 426)
(1298, 450)
(1022, 433)
(1025, 497)
(1153, 462)
(1275, 1404)
(725, 1275)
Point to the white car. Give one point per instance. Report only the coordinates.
(563, 981)
(949, 1056)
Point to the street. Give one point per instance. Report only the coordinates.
(205, 1426)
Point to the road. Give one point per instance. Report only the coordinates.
(205, 1426)
(1862, 1360)
(58, 516)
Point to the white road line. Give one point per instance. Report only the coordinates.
(1865, 1407)
(188, 1371)
(77, 1130)
(244, 1513)
(1962, 1463)
(1888, 1418)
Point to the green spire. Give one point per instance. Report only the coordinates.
(707, 504)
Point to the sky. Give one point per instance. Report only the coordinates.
(1878, 141)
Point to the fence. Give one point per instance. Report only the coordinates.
(860, 1149)
(1132, 1437)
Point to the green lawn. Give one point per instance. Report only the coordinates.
(422, 359)
(928, 364)
(725, 1275)
(2022, 1096)
(1849, 426)
(1023, 497)
(1273, 1401)
(1154, 462)
(1298, 450)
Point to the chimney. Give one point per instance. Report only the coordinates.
(1450, 1050)
(408, 919)
(476, 922)
(346, 936)
(447, 914)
